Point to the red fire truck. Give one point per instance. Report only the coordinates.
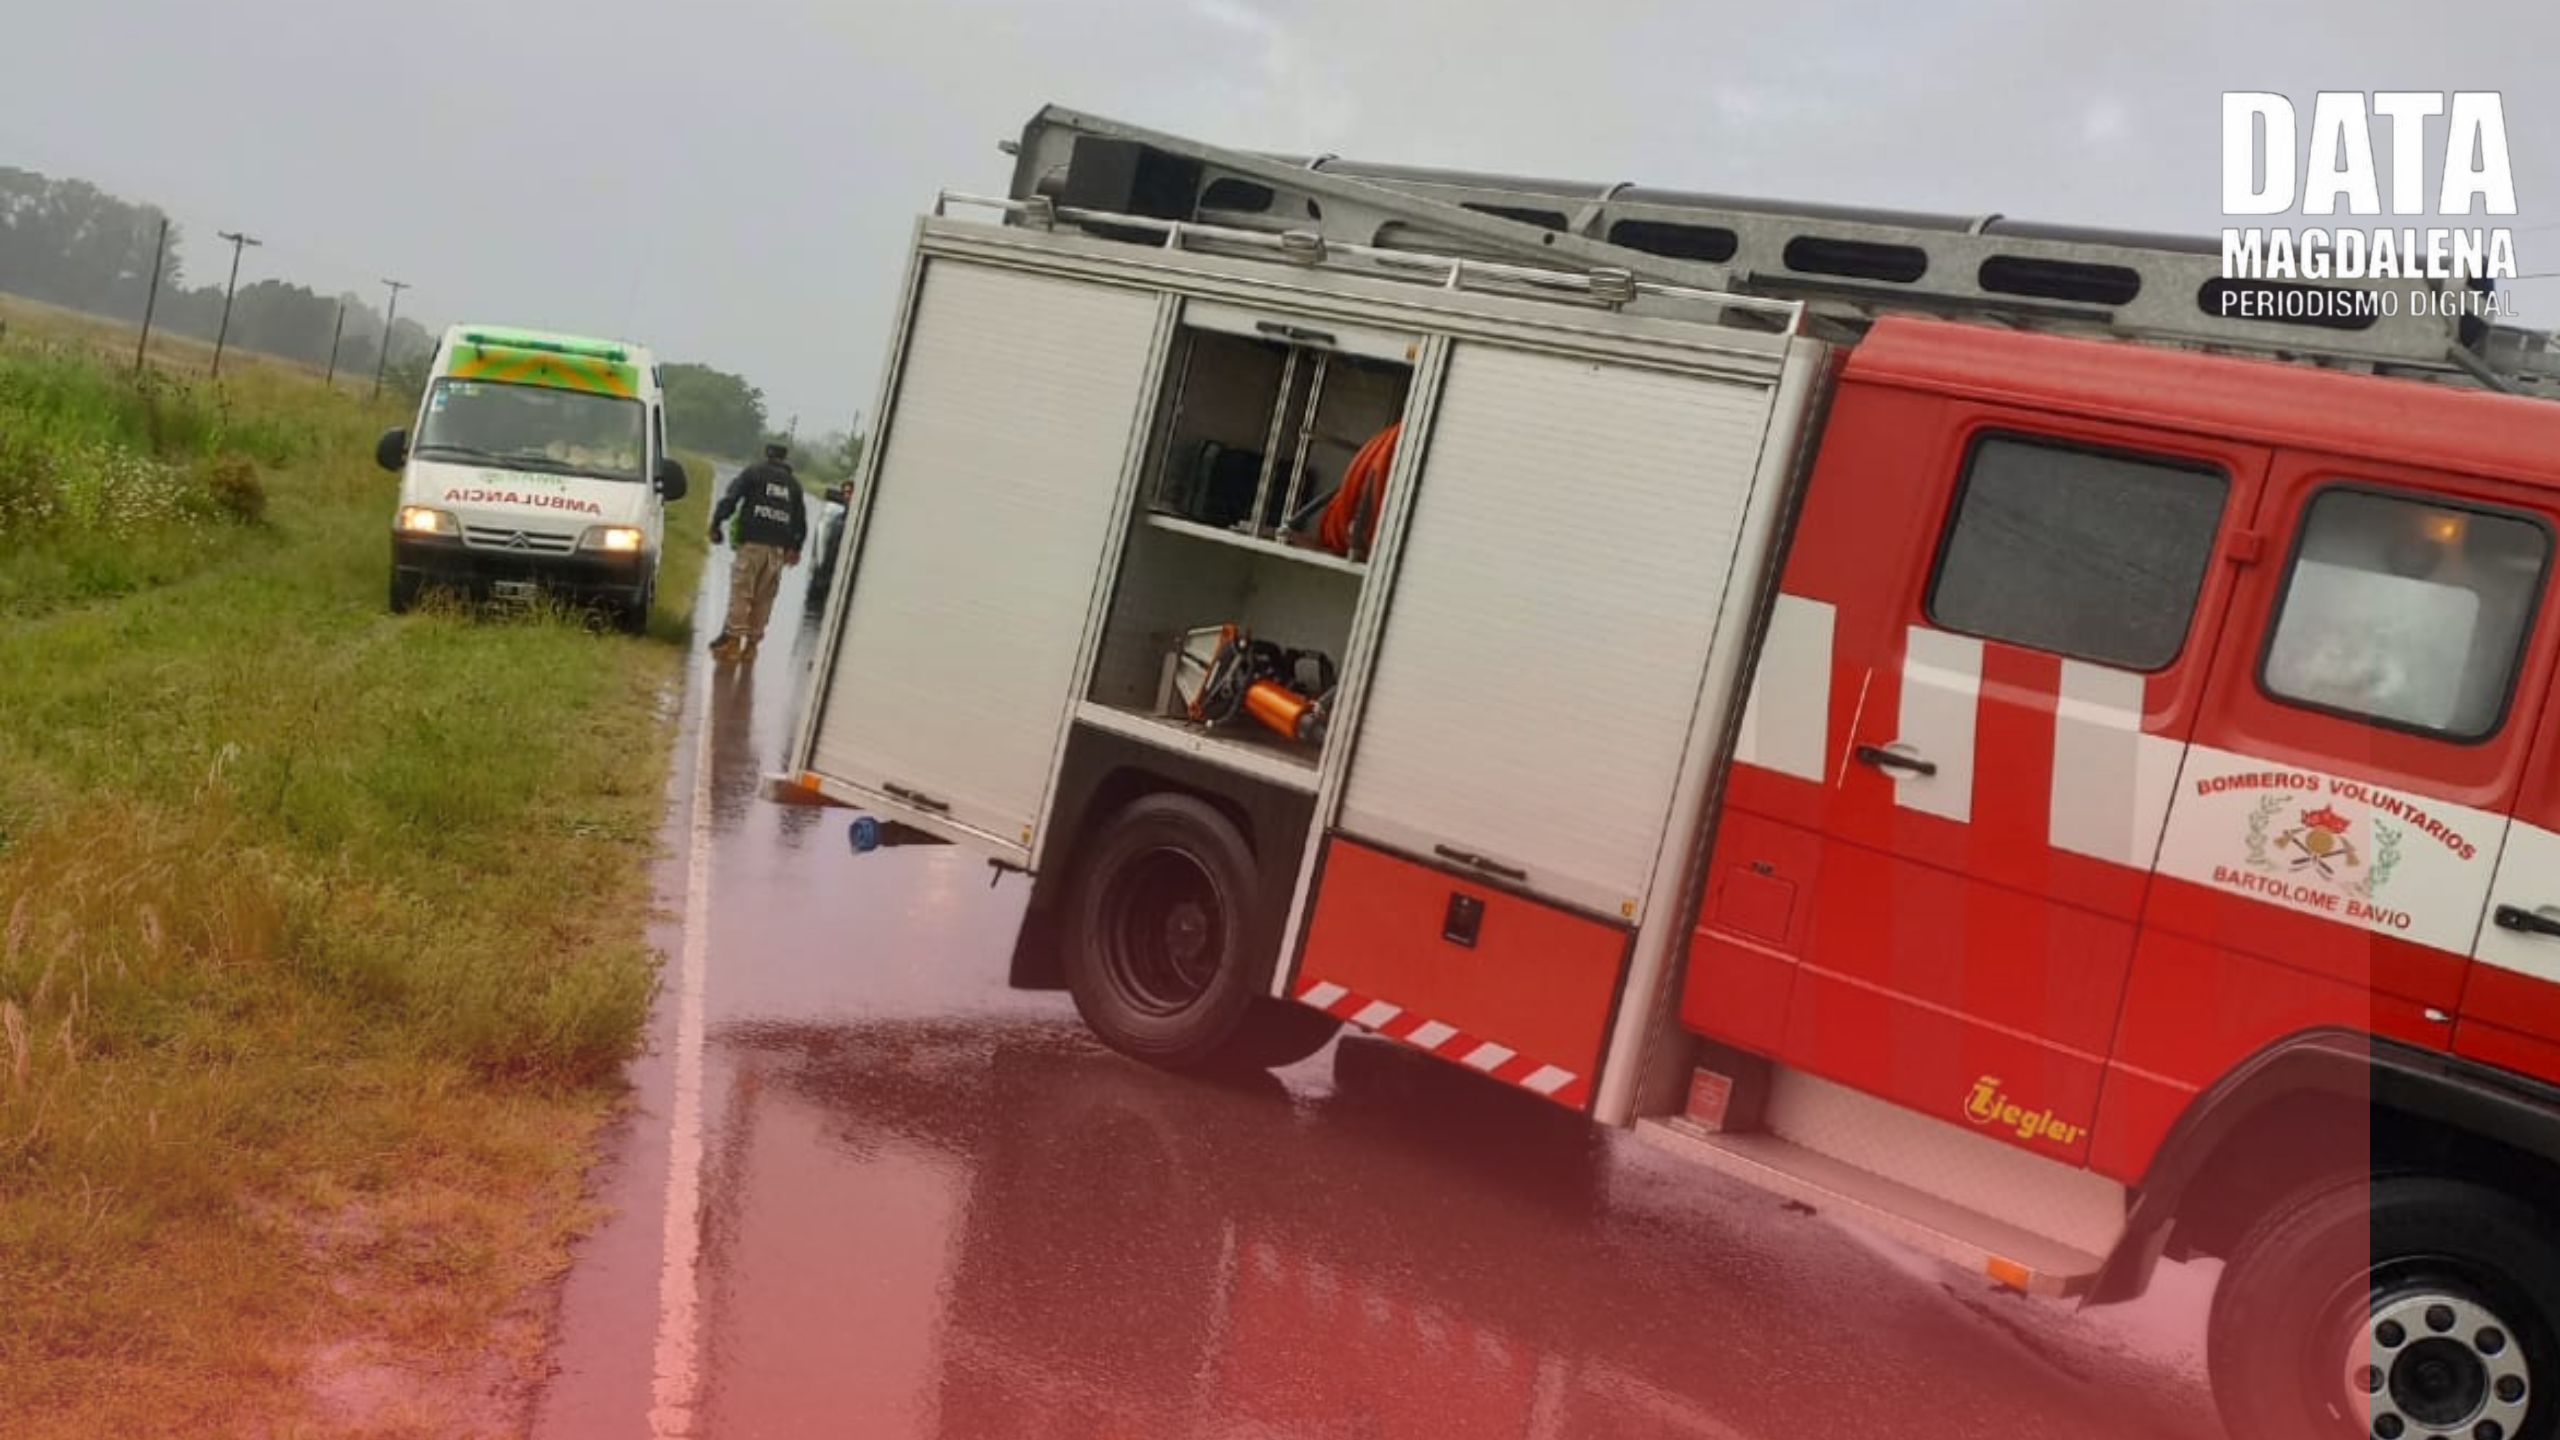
(1998, 732)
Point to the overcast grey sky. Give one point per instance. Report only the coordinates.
(734, 182)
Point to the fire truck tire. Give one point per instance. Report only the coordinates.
(1161, 936)
(2427, 1303)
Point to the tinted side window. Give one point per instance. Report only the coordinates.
(2093, 554)
(2407, 613)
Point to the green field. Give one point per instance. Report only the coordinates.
(321, 930)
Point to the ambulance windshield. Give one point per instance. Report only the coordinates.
(534, 427)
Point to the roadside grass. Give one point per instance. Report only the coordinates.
(112, 341)
(321, 943)
(111, 483)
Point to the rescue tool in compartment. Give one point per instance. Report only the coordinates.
(2039, 808)
(1219, 674)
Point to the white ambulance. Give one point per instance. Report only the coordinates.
(537, 466)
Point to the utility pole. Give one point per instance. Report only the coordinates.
(340, 329)
(239, 242)
(382, 355)
(159, 257)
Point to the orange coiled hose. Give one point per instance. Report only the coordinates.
(1363, 494)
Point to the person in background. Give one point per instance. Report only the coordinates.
(831, 518)
(773, 523)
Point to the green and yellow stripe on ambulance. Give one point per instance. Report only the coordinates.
(587, 374)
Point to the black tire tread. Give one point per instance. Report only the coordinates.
(2411, 1214)
(1231, 1027)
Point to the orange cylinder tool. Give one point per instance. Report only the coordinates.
(1284, 711)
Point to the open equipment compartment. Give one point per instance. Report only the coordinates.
(1605, 466)
(1260, 419)
(1226, 403)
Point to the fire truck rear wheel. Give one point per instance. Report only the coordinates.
(2400, 1308)
(1162, 933)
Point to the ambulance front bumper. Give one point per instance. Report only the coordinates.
(486, 572)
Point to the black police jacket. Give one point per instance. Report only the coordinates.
(771, 509)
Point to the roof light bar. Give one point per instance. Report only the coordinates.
(596, 349)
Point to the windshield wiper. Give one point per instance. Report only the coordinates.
(550, 466)
(523, 460)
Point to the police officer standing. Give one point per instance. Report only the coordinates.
(773, 523)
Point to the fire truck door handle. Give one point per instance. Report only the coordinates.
(1299, 333)
(1474, 861)
(2526, 922)
(918, 799)
(1884, 759)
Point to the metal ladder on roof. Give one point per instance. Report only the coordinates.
(1847, 266)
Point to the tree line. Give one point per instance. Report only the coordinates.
(69, 243)
(66, 242)
(721, 414)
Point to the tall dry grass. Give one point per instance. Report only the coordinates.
(321, 930)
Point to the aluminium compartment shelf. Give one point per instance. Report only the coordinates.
(1321, 559)
(1241, 748)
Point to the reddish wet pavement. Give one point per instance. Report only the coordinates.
(932, 1206)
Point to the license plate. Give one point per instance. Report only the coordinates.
(514, 590)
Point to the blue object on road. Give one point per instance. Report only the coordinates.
(864, 834)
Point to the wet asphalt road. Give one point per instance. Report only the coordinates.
(931, 1206)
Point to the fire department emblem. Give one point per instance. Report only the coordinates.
(2321, 844)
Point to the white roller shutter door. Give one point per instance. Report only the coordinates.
(983, 545)
(1546, 641)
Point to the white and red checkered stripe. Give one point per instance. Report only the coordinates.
(1494, 1058)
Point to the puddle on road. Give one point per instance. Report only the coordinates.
(934, 1207)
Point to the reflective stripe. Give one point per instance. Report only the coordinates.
(1786, 725)
(1941, 696)
(1375, 1014)
(1323, 994)
(1547, 1079)
(1386, 1018)
(2111, 782)
(1430, 1035)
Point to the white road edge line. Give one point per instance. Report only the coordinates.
(676, 1369)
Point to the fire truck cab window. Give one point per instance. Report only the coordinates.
(2410, 614)
(2093, 554)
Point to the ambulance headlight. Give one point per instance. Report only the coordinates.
(613, 539)
(422, 520)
